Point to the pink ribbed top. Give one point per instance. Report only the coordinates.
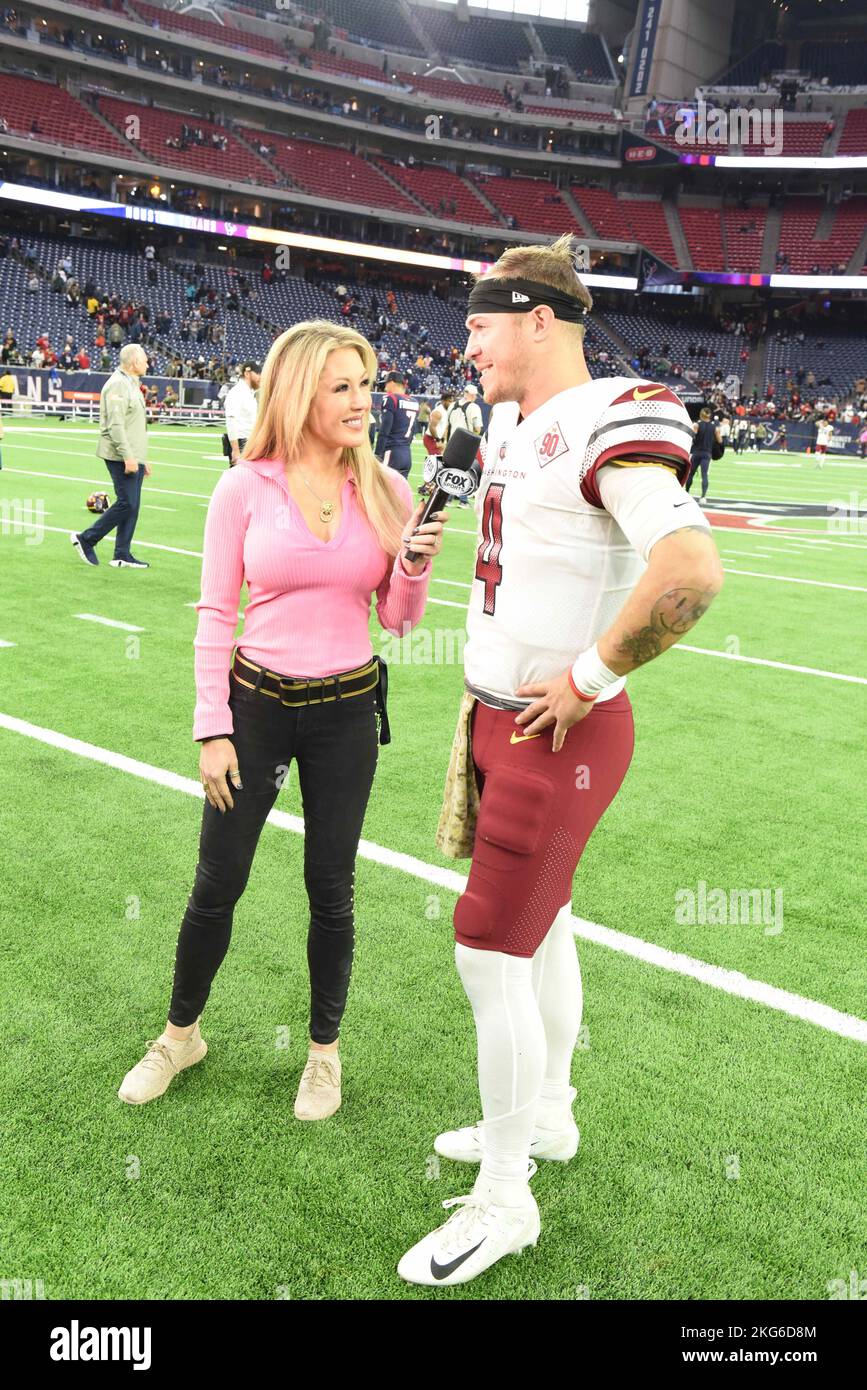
(309, 600)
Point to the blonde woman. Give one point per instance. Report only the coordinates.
(314, 523)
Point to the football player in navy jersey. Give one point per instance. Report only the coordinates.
(399, 416)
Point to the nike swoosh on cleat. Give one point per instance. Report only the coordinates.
(522, 738)
(443, 1271)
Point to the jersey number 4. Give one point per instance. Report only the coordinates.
(488, 567)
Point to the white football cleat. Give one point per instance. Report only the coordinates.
(465, 1145)
(470, 1241)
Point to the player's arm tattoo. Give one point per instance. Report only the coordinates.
(673, 614)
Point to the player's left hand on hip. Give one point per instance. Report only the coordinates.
(553, 703)
(147, 470)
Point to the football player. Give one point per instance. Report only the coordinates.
(592, 561)
(397, 427)
(824, 435)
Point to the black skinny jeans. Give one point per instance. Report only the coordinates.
(335, 746)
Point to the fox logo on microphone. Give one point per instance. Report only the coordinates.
(76, 1343)
(456, 481)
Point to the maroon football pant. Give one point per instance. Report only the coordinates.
(538, 809)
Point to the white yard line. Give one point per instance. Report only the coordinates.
(107, 622)
(788, 579)
(102, 482)
(8, 644)
(730, 982)
(763, 661)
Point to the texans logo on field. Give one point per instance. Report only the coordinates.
(550, 445)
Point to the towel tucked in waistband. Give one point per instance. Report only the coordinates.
(456, 831)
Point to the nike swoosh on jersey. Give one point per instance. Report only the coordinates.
(442, 1271)
(522, 738)
(639, 395)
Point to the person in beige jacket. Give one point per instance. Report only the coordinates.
(122, 445)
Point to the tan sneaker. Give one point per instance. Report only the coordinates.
(160, 1065)
(319, 1089)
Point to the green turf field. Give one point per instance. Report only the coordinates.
(722, 1151)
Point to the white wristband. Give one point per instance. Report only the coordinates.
(590, 673)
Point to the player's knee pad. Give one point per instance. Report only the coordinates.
(514, 810)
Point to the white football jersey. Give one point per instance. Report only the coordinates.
(824, 434)
(553, 567)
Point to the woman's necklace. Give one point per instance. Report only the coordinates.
(326, 509)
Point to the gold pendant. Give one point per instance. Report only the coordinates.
(326, 511)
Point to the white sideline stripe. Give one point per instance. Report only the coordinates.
(81, 429)
(7, 644)
(763, 661)
(87, 454)
(139, 545)
(447, 603)
(728, 981)
(100, 482)
(152, 506)
(107, 622)
(789, 579)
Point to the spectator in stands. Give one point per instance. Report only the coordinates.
(34, 282)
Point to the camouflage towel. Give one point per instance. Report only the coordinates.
(457, 828)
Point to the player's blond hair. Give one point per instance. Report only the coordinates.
(290, 378)
(551, 265)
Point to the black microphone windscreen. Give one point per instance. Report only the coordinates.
(461, 449)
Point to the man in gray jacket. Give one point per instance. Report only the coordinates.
(123, 446)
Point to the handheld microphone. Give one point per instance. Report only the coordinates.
(458, 474)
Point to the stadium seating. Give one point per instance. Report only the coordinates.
(157, 126)
(431, 185)
(627, 219)
(702, 228)
(444, 89)
(59, 117)
(334, 173)
(828, 353)
(568, 113)
(799, 138)
(744, 235)
(798, 233)
(853, 138)
(844, 64)
(643, 329)
(492, 43)
(748, 71)
(585, 53)
(534, 203)
(347, 67)
(368, 20)
(226, 34)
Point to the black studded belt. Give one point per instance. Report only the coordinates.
(317, 690)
